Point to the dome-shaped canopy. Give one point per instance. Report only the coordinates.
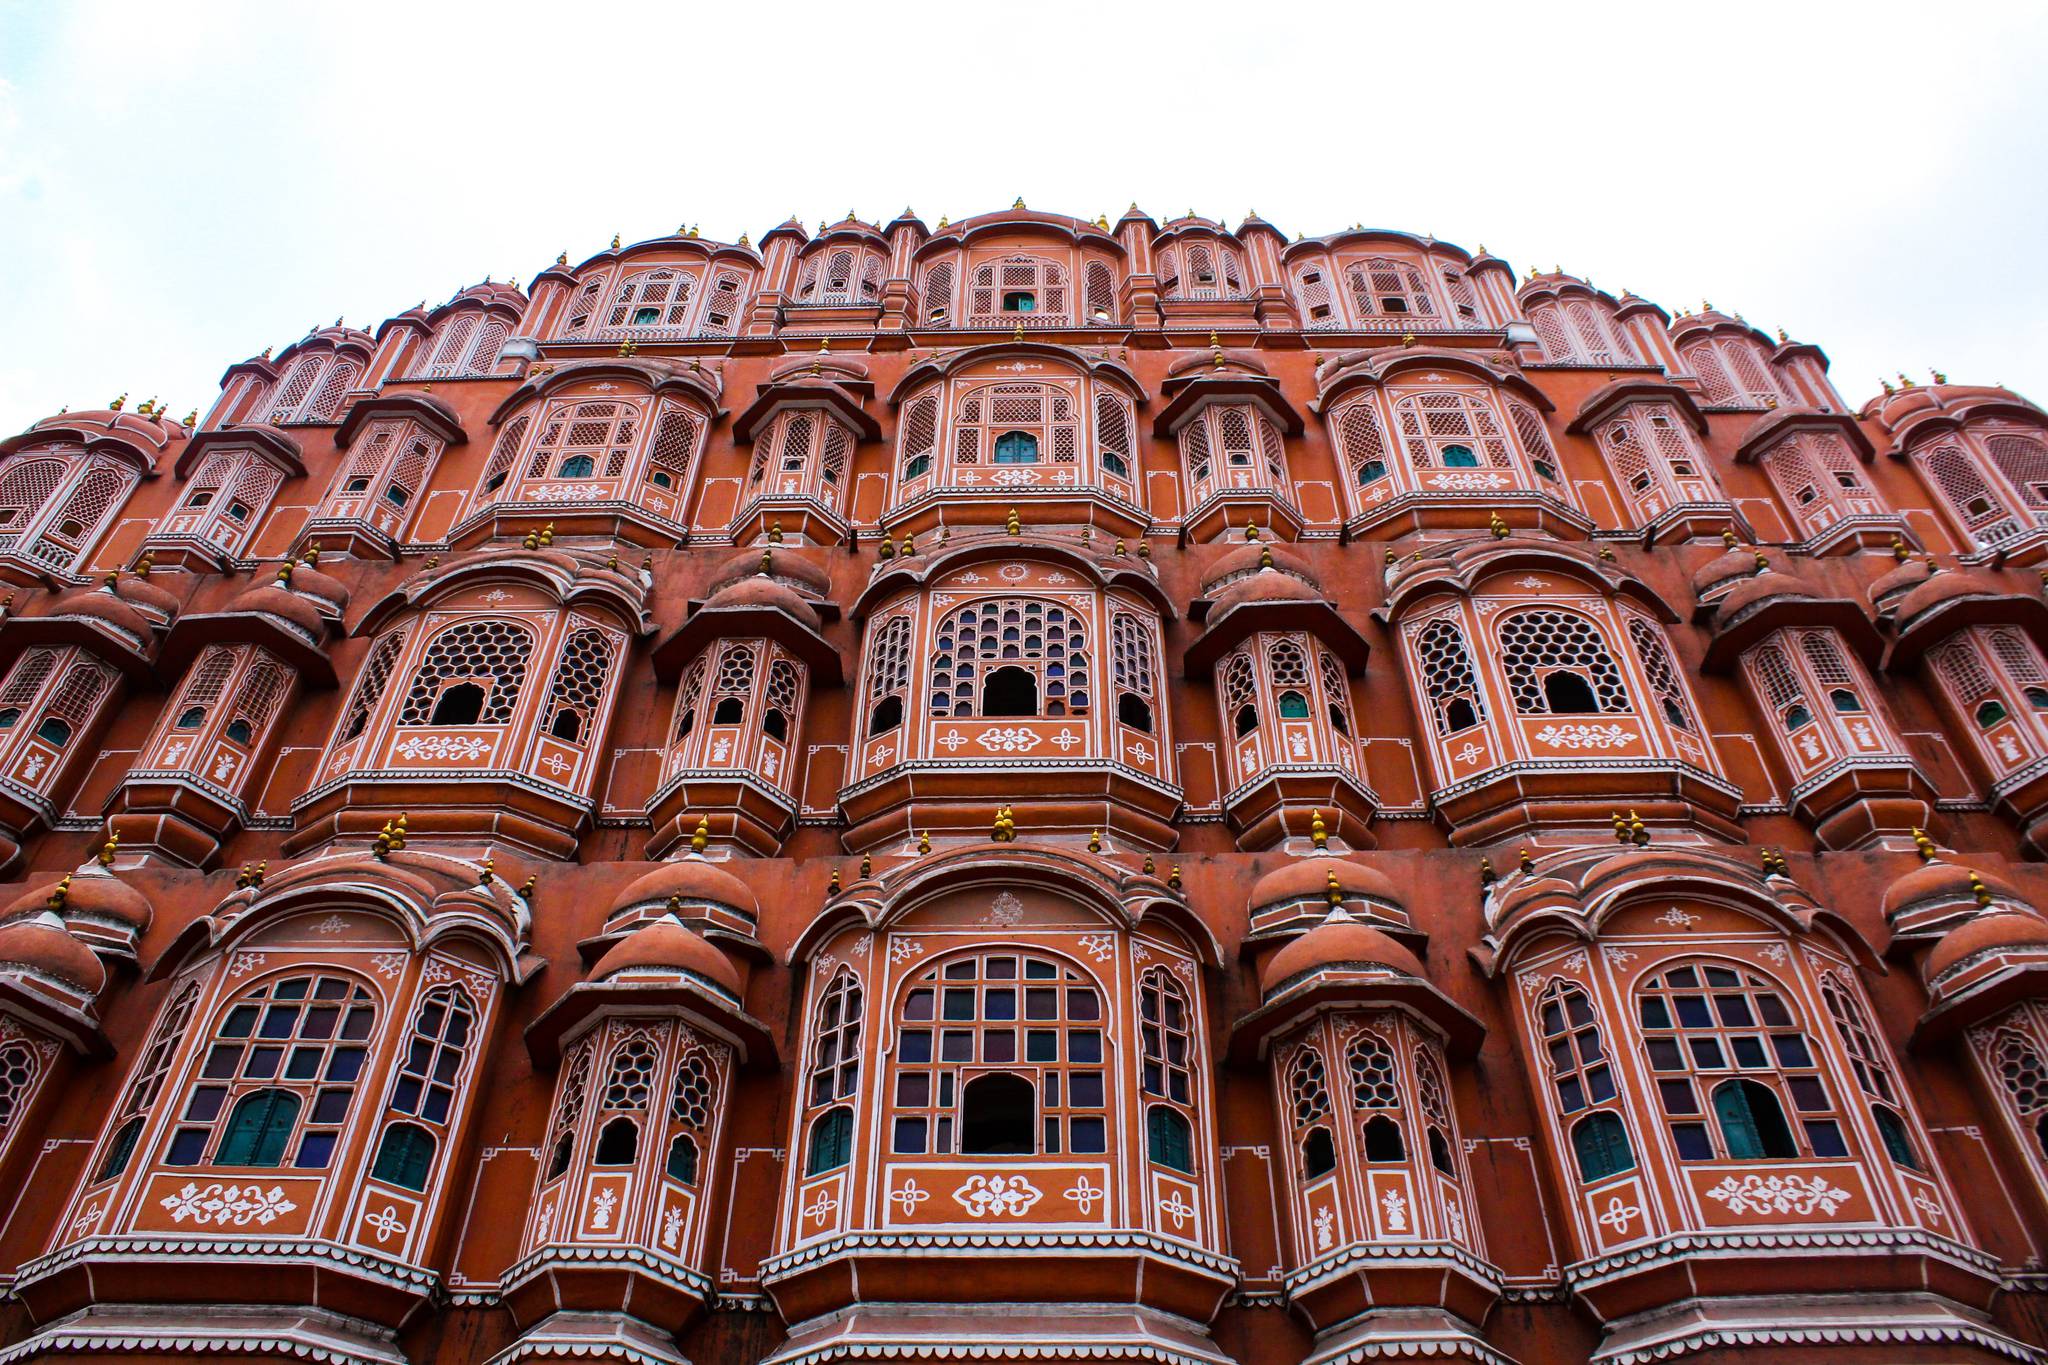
(1936, 883)
(1310, 879)
(1248, 559)
(1268, 585)
(2002, 930)
(666, 948)
(1736, 562)
(687, 882)
(1948, 587)
(268, 599)
(104, 605)
(777, 564)
(763, 593)
(1338, 942)
(1762, 587)
(93, 894)
(135, 588)
(40, 947)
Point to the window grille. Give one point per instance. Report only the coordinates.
(18, 1070)
(2024, 462)
(1113, 433)
(1535, 644)
(1664, 677)
(1557, 345)
(688, 693)
(1166, 1035)
(1099, 287)
(937, 295)
(579, 683)
(1360, 438)
(433, 1060)
(492, 653)
(376, 675)
(1447, 675)
(652, 299)
(1043, 280)
(2017, 1065)
(1451, 431)
(835, 1041)
(629, 1080)
(1039, 637)
(1308, 1089)
(1961, 485)
(1374, 1079)
(502, 456)
(722, 305)
(1131, 653)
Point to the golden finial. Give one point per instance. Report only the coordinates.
(1639, 833)
(1119, 548)
(1332, 892)
(284, 573)
(611, 561)
(1706, 307)
(433, 561)
(1018, 333)
(1173, 877)
(562, 258)
(1525, 861)
(744, 242)
(832, 887)
(700, 837)
(1265, 556)
(1251, 531)
(242, 877)
(627, 347)
(775, 530)
(380, 848)
(1899, 550)
(908, 547)
(118, 403)
(1607, 553)
(615, 241)
(486, 870)
(1905, 380)
(943, 220)
(867, 867)
(1620, 827)
(693, 230)
(924, 839)
(1407, 338)
(1019, 204)
(1148, 865)
(532, 541)
(1939, 377)
(145, 407)
(1013, 524)
(547, 535)
(59, 892)
(1318, 832)
(1095, 841)
(1762, 564)
(1144, 548)
(1886, 383)
(1487, 876)
(1102, 221)
(1497, 526)
(887, 549)
(674, 905)
(1979, 891)
(1004, 831)
(192, 418)
(1923, 844)
(1782, 338)
(526, 888)
(1390, 558)
(110, 848)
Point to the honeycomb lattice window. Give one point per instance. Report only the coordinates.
(1663, 674)
(1373, 1079)
(1538, 644)
(575, 1089)
(1024, 633)
(1429, 1083)
(17, 1070)
(1307, 1087)
(29, 674)
(1131, 653)
(630, 1081)
(2021, 1071)
(2018, 657)
(691, 1101)
(1447, 677)
(1287, 665)
(488, 654)
(688, 694)
(579, 683)
(736, 668)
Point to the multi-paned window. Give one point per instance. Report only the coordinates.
(1582, 1079)
(1003, 1053)
(1013, 656)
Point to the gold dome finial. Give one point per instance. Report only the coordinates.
(547, 535)
(111, 847)
(562, 258)
(118, 403)
(1332, 892)
(1487, 876)
(887, 549)
(1017, 333)
(867, 867)
(628, 347)
(1251, 531)
(58, 893)
(832, 887)
(1019, 204)
(1318, 832)
(1728, 539)
(1095, 841)
(531, 541)
(1905, 380)
(908, 547)
(486, 870)
(700, 837)
(767, 563)
(1265, 556)
(1980, 892)
(1639, 833)
(1498, 527)
(1148, 865)
(775, 530)
(1885, 383)
(1013, 524)
(527, 888)
(1525, 860)
(924, 838)
(1939, 377)
(1173, 878)
(1900, 552)
(615, 241)
(1004, 830)
(1924, 845)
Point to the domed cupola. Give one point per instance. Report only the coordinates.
(51, 980)
(693, 888)
(96, 905)
(1890, 587)
(1300, 893)
(1925, 903)
(1981, 945)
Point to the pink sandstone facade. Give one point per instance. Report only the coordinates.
(1027, 789)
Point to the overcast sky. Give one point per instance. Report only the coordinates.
(184, 184)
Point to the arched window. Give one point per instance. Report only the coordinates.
(628, 1088)
(936, 295)
(920, 436)
(578, 685)
(1165, 1033)
(569, 1109)
(147, 1081)
(1447, 676)
(1336, 691)
(1131, 655)
(888, 674)
(503, 454)
(1240, 694)
(405, 1156)
(485, 661)
(835, 1041)
(1376, 1093)
(1580, 1071)
(1169, 1139)
(424, 1087)
(1701, 1021)
(1001, 290)
(1016, 422)
(1016, 447)
(1872, 1068)
(1364, 445)
(618, 1143)
(1010, 691)
(689, 1111)
(1553, 657)
(994, 1009)
(1004, 637)
(1308, 1101)
(278, 1077)
(1436, 1112)
(1384, 287)
(652, 299)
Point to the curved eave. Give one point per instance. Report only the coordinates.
(359, 345)
(709, 625)
(710, 1011)
(1459, 573)
(549, 571)
(1240, 621)
(1773, 426)
(73, 1027)
(906, 578)
(275, 446)
(1954, 1014)
(772, 398)
(702, 250)
(1336, 989)
(508, 308)
(1603, 401)
(116, 441)
(1731, 638)
(191, 634)
(1357, 236)
(1950, 418)
(686, 382)
(1942, 620)
(952, 362)
(1374, 368)
(437, 417)
(92, 636)
(1198, 391)
(1072, 231)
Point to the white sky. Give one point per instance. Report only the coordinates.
(183, 184)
